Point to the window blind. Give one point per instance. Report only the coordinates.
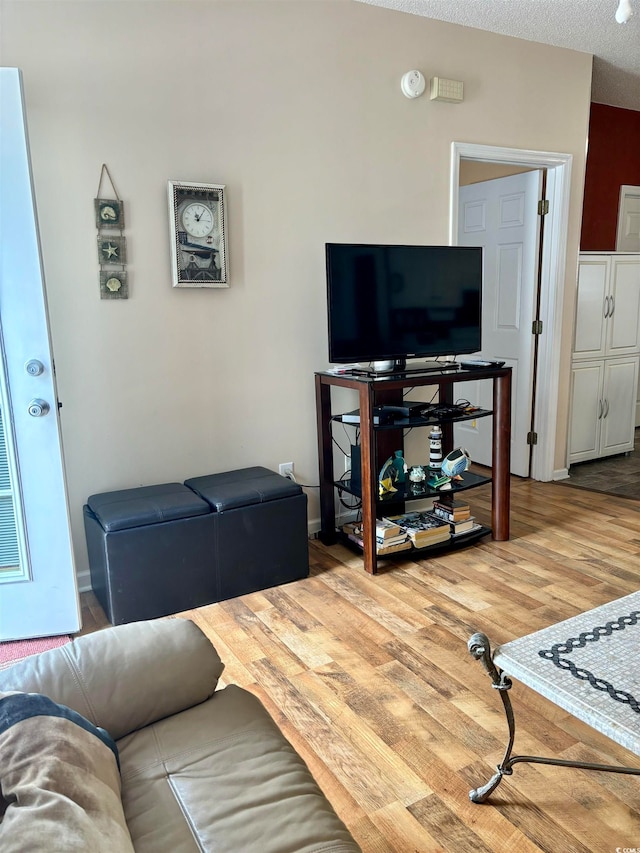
(9, 554)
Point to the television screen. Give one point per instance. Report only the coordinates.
(399, 302)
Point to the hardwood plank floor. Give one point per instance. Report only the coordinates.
(370, 679)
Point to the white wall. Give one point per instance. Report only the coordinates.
(296, 107)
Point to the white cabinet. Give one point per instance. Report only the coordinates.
(606, 356)
(608, 306)
(603, 407)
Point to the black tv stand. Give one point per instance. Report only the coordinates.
(378, 441)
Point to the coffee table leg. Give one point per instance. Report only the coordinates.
(480, 648)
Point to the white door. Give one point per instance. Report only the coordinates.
(38, 591)
(623, 334)
(628, 234)
(592, 306)
(620, 382)
(586, 410)
(501, 215)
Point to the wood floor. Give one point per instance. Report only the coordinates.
(370, 679)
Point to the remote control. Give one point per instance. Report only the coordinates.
(480, 362)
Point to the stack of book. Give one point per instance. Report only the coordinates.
(423, 528)
(390, 537)
(456, 512)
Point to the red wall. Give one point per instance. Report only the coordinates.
(613, 159)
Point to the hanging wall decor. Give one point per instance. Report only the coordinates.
(198, 234)
(112, 244)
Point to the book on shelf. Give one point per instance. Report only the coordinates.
(423, 528)
(448, 501)
(386, 529)
(392, 549)
(391, 540)
(459, 512)
(475, 526)
(457, 527)
(388, 546)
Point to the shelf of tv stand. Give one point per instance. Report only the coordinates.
(388, 390)
(421, 420)
(404, 492)
(460, 541)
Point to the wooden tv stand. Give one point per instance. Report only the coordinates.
(377, 442)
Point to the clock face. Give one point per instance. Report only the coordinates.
(197, 219)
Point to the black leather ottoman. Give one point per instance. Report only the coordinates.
(150, 551)
(261, 534)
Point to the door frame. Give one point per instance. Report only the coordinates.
(552, 277)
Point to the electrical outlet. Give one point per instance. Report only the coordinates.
(347, 463)
(285, 468)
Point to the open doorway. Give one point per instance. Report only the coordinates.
(552, 274)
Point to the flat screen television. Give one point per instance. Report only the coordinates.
(392, 303)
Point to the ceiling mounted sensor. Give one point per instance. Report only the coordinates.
(624, 12)
(412, 84)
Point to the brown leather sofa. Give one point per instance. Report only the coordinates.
(201, 769)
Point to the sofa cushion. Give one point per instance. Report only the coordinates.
(221, 776)
(126, 677)
(59, 779)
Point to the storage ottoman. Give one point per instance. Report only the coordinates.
(261, 533)
(150, 551)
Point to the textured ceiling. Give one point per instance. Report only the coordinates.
(585, 25)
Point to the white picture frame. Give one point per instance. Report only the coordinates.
(198, 234)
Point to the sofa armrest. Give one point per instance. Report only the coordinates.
(126, 677)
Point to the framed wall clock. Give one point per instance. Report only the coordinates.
(198, 234)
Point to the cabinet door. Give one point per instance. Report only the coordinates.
(592, 304)
(619, 404)
(623, 307)
(586, 410)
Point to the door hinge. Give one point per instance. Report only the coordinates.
(532, 438)
(543, 207)
(536, 327)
